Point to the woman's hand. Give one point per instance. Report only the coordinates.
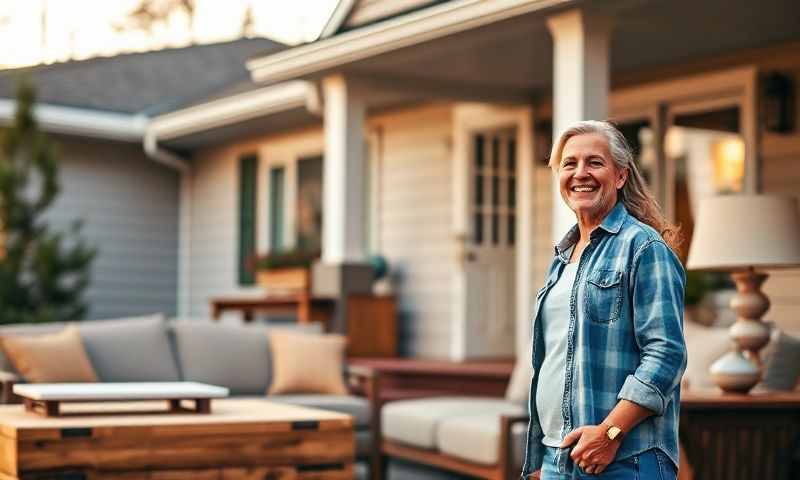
(594, 451)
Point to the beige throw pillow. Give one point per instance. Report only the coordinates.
(50, 358)
(303, 363)
(519, 386)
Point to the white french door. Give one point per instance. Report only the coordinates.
(489, 246)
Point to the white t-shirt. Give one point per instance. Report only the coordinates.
(550, 387)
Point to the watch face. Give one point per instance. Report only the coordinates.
(613, 432)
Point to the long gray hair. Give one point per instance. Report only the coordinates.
(635, 194)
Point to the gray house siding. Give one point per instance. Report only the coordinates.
(129, 205)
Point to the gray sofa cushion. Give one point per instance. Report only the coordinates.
(358, 407)
(476, 438)
(133, 349)
(235, 356)
(416, 422)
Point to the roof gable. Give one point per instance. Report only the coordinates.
(351, 14)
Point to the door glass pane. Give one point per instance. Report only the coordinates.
(708, 156)
(495, 152)
(495, 191)
(478, 190)
(512, 229)
(477, 234)
(512, 156)
(495, 228)
(479, 151)
(309, 203)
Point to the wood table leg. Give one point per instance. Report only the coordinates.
(202, 405)
(47, 408)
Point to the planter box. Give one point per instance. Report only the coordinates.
(291, 280)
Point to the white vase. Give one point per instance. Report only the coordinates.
(733, 372)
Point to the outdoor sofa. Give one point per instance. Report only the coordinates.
(236, 356)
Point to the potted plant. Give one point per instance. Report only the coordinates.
(286, 270)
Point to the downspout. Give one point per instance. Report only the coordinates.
(176, 162)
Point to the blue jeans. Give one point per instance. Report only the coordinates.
(648, 465)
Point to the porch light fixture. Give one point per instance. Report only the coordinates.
(742, 234)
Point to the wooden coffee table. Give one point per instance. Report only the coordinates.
(240, 439)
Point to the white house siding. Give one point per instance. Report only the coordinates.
(414, 221)
(213, 257)
(129, 205)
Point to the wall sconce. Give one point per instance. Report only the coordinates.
(778, 103)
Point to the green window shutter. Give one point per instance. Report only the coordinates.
(248, 166)
(276, 208)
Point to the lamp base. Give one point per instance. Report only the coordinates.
(735, 373)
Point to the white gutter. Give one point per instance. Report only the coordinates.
(403, 31)
(80, 121)
(232, 109)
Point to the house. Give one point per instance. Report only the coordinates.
(97, 111)
(419, 129)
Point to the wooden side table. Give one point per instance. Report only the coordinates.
(371, 326)
(741, 437)
(307, 308)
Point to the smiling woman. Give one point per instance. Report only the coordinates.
(608, 347)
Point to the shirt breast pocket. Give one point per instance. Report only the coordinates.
(604, 296)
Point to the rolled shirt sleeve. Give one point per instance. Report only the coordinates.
(657, 285)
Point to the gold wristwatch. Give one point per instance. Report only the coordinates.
(614, 433)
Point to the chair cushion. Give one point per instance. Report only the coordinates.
(519, 386)
(135, 349)
(416, 422)
(781, 362)
(50, 357)
(303, 363)
(358, 407)
(235, 356)
(476, 438)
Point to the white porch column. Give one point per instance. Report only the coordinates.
(581, 41)
(344, 214)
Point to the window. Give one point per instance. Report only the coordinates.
(706, 155)
(309, 203)
(248, 165)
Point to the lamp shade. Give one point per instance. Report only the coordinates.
(735, 232)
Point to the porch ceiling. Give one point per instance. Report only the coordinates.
(514, 57)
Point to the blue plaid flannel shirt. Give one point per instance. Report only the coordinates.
(624, 341)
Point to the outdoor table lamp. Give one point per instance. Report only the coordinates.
(742, 234)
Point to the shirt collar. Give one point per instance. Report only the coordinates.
(611, 224)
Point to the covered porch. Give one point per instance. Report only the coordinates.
(496, 63)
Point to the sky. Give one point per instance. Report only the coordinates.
(79, 29)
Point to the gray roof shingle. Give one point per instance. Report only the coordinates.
(149, 83)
